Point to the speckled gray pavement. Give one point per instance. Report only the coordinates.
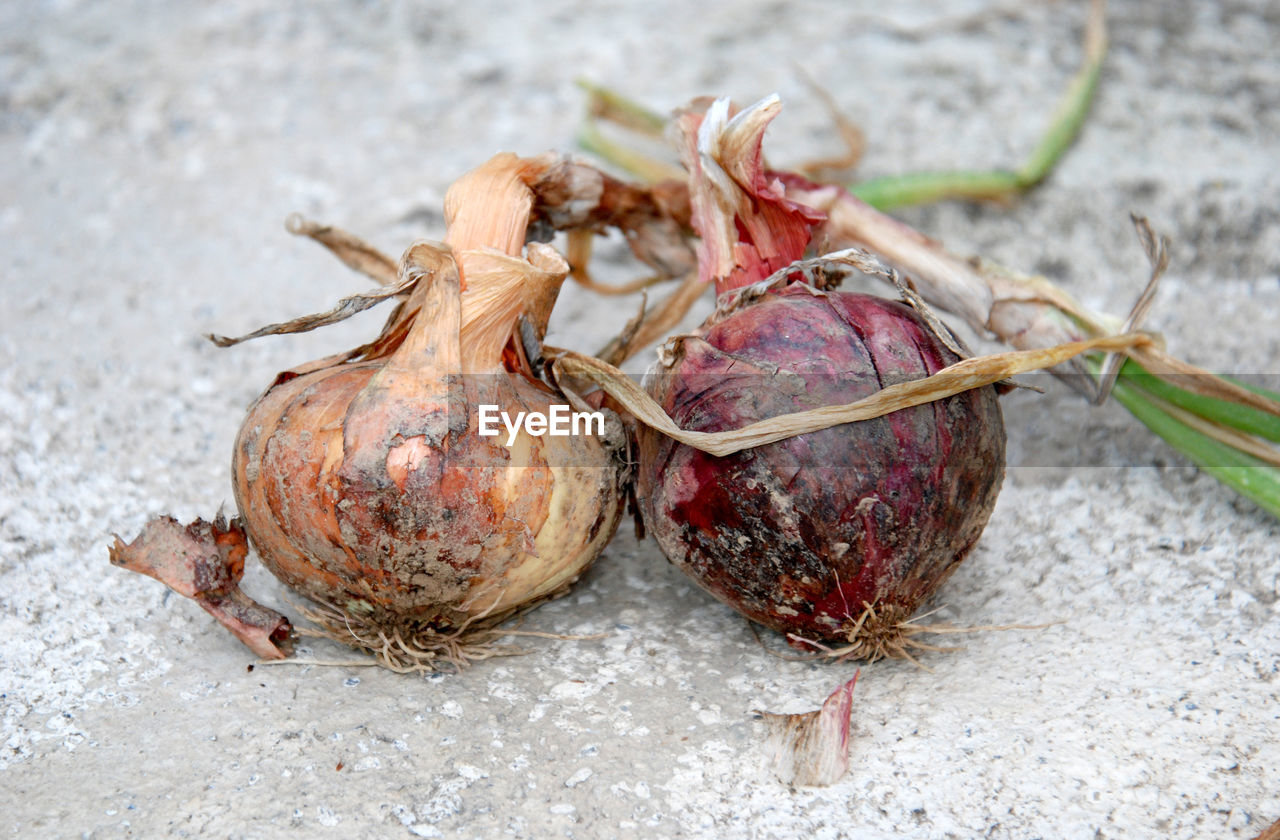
(150, 153)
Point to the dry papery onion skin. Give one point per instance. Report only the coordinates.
(204, 561)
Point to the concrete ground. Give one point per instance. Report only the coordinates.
(150, 153)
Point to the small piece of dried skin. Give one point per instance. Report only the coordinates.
(812, 748)
(204, 561)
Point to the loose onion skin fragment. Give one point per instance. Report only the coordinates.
(808, 534)
(812, 748)
(204, 561)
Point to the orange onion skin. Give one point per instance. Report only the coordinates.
(367, 486)
(804, 534)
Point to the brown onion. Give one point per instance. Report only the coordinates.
(364, 484)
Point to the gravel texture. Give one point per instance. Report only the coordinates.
(150, 153)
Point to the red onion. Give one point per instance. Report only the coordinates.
(835, 535)
(805, 535)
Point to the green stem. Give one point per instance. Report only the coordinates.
(648, 169)
(895, 191)
(1237, 416)
(1067, 121)
(1243, 473)
(924, 187)
(616, 108)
